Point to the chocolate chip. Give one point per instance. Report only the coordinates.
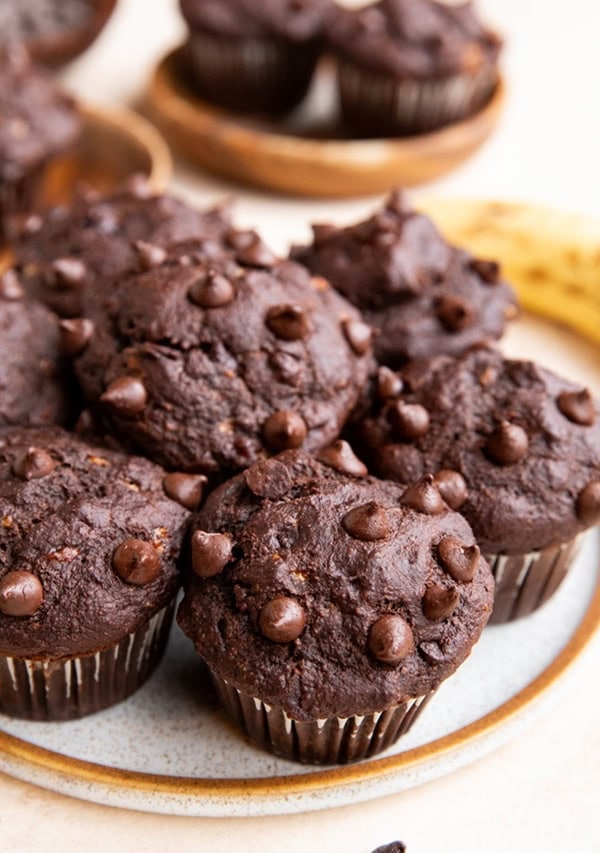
(489, 271)
(212, 290)
(507, 444)
(288, 322)
(424, 496)
(282, 620)
(438, 602)
(369, 522)
(341, 457)
(454, 313)
(398, 202)
(35, 464)
(251, 250)
(150, 255)
(431, 652)
(75, 335)
(391, 639)
(136, 562)
(452, 486)
(268, 479)
(284, 430)
(389, 383)
(186, 489)
(588, 503)
(410, 420)
(577, 406)
(322, 233)
(210, 553)
(458, 559)
(358, 335)
(68, 272)
(21, 594)
(10, 287)
(126, 395)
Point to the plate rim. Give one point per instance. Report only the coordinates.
(237, 789)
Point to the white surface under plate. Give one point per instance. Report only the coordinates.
(170, 749)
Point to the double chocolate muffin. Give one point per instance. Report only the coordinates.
(61, 253)
(512, 446)
(208, 362)
(328, 605)
(88, 573)
(34, 382)
(423, 296)
(54, 31)
(254, 57)
(411, 66)
(39, 123)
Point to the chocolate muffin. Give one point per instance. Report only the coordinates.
(512, 446)
(412, 66)
(88, 573)
(253, 57)
(96, 238)
(39, 123)
(208, 363)
(34, 382)
(423, 296)
(54, 31)
(328, 605)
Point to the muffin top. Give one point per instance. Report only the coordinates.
(39, 121)
(418, 39)
(95, 238)
(516, 447)
(208, 362)
(296, 20)
(33, 381)
(329, 593)
(424, 296)
(90, 544)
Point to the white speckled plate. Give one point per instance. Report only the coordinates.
(170, 749)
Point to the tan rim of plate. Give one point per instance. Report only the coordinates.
(215, 140)
(475, 214)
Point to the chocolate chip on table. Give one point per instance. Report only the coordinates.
(439, 602)
(282, 620)
(577, 406)
(369, 522)
(507, 444)
(268, 479)
(410, 420)
(210, 553)
(284, 430)
(35, 464)
(288, 322)
(125, 395)
(424, 497)
(458, 559)
(588, 503)
(358, 335)
(10, 287)
(341, 457)
(21, 593)
(186, 489)
(136, 562)
(211, 290)
(452, 487)
(391, 639)
(75, 335)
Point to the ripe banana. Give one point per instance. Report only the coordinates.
(551, 257)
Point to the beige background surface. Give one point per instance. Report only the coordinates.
(540, 793)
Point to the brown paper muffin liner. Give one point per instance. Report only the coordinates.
(67, 689)
(525, 582)
(375, 104)
(334, 740)
(250, 75)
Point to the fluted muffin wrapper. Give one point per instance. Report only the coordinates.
(524, 582)
(250, 75)
(376, 104)
(66, 689)
(334, 740)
